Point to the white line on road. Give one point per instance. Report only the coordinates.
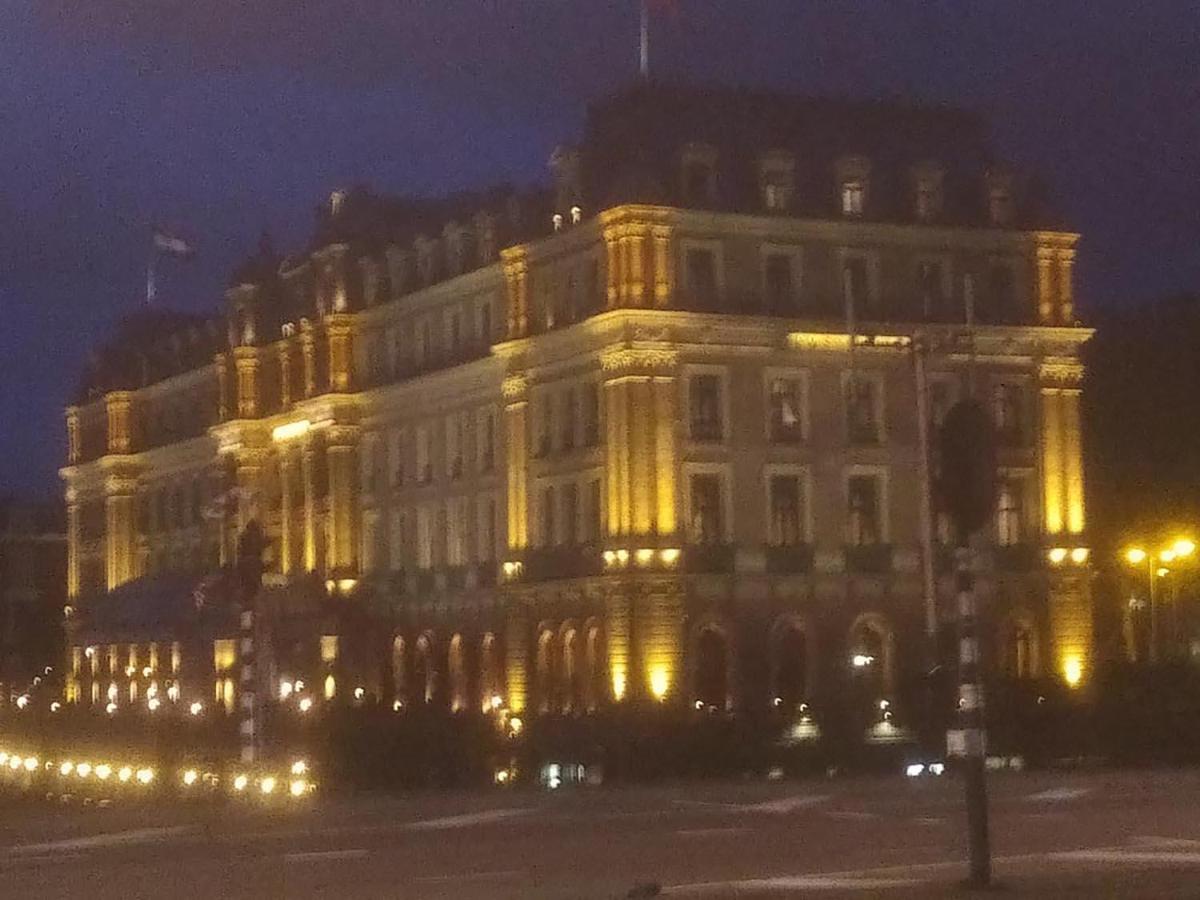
(785, 804)
(324, 855)
(1150, 840)
(499, 875)
(1058, 795)
(1130, 857)
(852, 815)
(791, 883)
(466, 820)
(110, 839)
(711, 832)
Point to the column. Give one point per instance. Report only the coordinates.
(619, 622)
(248, 473)
(637, 280)
(221, 365)
(245, 360)
(285, 373)
(73, 446)
(662, 266)
(1053, 491)
(516, 657)
(308, 472)
(1066, 287)
(73, 539)
(285, 512)
(517, 452)
(308, 352)
(660, 639)
(642, 457)
(119, 529)
(342, 458)
(617, 456)
(1070, 607)
(664, 451)
(118, 405)
(516, 272)
(1072, 450)
(1045, 285)
(339, 329)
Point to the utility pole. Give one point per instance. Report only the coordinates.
(968, 492)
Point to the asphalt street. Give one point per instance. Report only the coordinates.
(1133, 835)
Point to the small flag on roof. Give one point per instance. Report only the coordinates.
(171, 243)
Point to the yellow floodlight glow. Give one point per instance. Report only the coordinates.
(66, 767)
(1057, 555)
(299, 767)
(240, 782)
(145, 776)
(515, 725)
(644, 556)
(622, 556)
(298, 787)
(267, 785)
(31, 763)
(1079, 555)
(83, 770)
(290, 430)
(618, 683)
(1167, 555)
(669, 556)
(1073, 670)
(1162, 571)
(14, 763)
(190, 776)
(196, 708)
(305, 704)
(125, 773)
(103, 771)
(1184, 547)
(660, 682)
(3, 757)
(1135, 556)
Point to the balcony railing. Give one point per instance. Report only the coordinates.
(547, 563)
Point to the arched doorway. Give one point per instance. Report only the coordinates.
(571, 670)
(596, 671)
(544, 666)
(489, 673)
(399, 666)
(712, 668)
(790, 664)
(456, 670)
(424, 677)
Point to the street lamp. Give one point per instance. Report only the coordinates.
(1158, 566)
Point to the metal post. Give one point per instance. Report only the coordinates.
(1152, 563)
(971, 734)
(248, 723)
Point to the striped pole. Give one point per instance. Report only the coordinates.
(248, 706)
(971, 736)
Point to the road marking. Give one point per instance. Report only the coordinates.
(710, 832)
(324, 855)
(466, 820)
(1057, 795)
(785, 805)
(852, 815)
(788, 883)
(929, 820)
(1150, 840)
(111, 839)
(499, 875)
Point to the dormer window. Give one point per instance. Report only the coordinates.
(485, 238)
(852, 181)
(454, 238)
(927, 192)
(776, 179)
(699, 174)
(576, 215)
(852, 198)
(337, 199)
(1001, 209)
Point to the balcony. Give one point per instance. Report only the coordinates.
(869, 559)
(548, 563)
(790, 560)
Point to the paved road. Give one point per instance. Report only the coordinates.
(1054, 835)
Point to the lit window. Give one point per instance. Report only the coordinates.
(329, 648)
(1009, 513)
(224, 654)
(786, 401)
(705, 408)
(707, 510)
(863, 511)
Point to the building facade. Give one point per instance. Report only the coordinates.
(649, 435)
(33, 551)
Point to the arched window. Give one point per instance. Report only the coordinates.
(424, 680)
(712, 668)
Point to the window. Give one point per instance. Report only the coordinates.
(1019, 650)
(707, 525)
(778, 282)
(545, 426)
(786, 402)
(486, 537)
(567, 430)
(787, 510)
(863, 511)
(487, 441)
(397, 539)
(1009, 513)
(853, 195)
(456, 531)
(856, 284)
(593, 513)
(863, 408)
(702, 276)
(570, 514)
(367, 462)
(705, 412)
(1002, 297)
(396, 457)
(424, 538)
(774, 196)
(591, 414)
(424, 455)
(928, 193)
(549, 534)
(456, 426)
(931, 288)
(1007, 414)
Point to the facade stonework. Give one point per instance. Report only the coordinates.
(661, 448)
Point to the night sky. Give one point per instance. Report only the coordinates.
(225, 117)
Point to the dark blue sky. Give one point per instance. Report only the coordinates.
(115, 114)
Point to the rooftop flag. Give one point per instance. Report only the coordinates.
(172, 243)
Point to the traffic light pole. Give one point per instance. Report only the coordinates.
(970, 735)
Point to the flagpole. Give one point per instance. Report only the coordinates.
(644, 67)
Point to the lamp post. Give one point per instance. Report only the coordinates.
(1158, 565)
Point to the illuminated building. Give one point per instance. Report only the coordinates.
(615, 441)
